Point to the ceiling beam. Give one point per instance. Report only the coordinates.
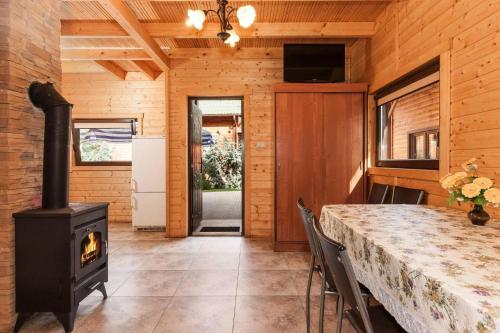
(210, 30)
(113, 68)
(111, 54)
(250, 1)
(145, 68)
(180, 53)
(129, 22)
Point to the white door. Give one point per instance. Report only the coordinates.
(148, 165)
(148, 209)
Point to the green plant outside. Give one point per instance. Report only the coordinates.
(222, 164)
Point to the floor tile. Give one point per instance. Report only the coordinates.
(207, 314)
(299, 279)
(261, 261)
(151, 283)
(115, 280)
(269, 314)
(125, 262)
(167, 261)
(220, 244)
(125, 315)
(208, 283)
(298, 260)
(182, 245)
(249, 245)
(142, 246)
(330, 319)
(265, 283)
(215, 260)
(46, 322)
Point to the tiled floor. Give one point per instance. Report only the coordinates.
(197, 284)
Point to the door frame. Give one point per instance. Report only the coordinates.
(190, 169)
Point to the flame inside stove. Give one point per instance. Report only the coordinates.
(90, 250)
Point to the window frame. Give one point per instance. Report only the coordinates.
(426, 132)
(420, 73)
(76, 139)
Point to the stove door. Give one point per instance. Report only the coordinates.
(91, 248)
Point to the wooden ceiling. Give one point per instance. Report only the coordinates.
(144, 33)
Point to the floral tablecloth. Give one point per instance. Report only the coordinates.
(430, 267)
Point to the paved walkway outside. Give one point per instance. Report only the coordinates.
(222, 205)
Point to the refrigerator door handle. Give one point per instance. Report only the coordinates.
(133, 203)
(133, 185)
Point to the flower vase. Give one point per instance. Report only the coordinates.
(478, 216)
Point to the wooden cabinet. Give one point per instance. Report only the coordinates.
(320, 153)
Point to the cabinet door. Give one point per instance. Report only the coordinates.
(343, 149)
(298, 157)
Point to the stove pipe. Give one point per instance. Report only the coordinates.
(56, 146)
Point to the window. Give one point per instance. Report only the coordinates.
(103, 141)
(423, 145)
(408, 121)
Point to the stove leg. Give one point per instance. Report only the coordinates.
(67, 319)
(102, 289)
(21, 318)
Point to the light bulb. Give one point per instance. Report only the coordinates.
(195, 19)
(232, 39)
(246, 15)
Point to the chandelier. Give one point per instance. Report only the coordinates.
(245, 14)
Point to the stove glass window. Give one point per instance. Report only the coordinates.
(90, 248)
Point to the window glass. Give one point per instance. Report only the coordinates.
(103, 141)
(408, 128)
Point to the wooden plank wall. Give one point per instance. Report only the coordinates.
(102, 95)
(253, 79)
(29, 50)
(411, 32)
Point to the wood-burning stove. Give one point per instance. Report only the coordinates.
(54, 272)
(61, 249)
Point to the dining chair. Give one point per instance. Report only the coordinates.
(364, 318)
(378, 193)
(316, 265)
(403, 195)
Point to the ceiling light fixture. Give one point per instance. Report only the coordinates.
(246, 16)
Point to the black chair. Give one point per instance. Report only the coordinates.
(316, 265)
(364, 319)
(403, 195)
(378, 193)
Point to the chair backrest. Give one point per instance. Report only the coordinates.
(306, 215)
(339, 265)
(403, 195)
(308, 220)
(378, 193)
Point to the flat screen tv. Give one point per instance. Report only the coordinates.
(314, 62)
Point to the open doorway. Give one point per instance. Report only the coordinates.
(216, 178)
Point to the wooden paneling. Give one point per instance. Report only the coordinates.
(101, 95)
(253, 79)
(267, 11)
(412, 32)
(29, 50)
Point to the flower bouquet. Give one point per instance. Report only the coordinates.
(467, 186)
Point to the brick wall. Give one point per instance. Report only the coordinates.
(29, 50)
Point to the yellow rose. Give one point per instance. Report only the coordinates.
(483, 182)
(471, 190)
(492, 195)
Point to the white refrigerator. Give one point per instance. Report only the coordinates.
(148, 183)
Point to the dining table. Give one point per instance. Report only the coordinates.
(430, 267)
